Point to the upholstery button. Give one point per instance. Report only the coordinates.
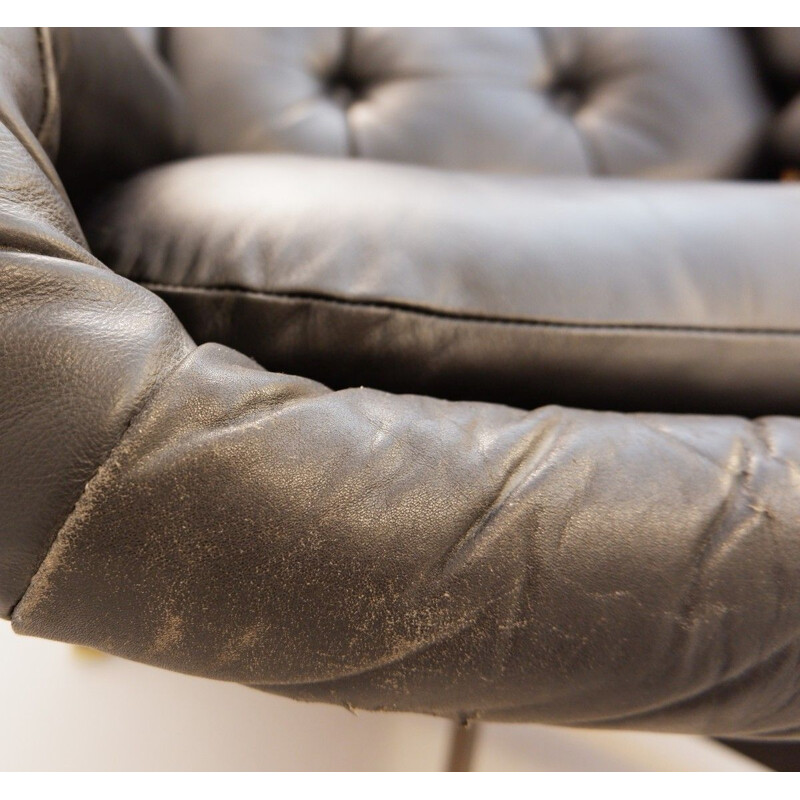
(569, 92)
(344, 89)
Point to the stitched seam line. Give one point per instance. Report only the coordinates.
(48, 93)
(392, 305)
(149, 391)
(45, 83)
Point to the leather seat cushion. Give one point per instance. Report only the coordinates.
(669, 296)
(681, 103)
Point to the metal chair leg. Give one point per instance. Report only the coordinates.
(462, 747)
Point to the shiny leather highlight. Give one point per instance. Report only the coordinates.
(569, 101)
(606, 294)
(185, 506)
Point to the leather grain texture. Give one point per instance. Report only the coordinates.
(617, 294)
(80, 346)
(185, 507)
(463, 559)
(652, 102)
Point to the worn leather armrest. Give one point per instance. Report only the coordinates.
(186, 508)
(406, 553)
(80, 348)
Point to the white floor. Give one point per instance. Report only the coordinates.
(65, 710)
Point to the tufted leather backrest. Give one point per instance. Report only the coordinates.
(648, 102)
(781, 52)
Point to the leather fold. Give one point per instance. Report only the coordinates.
(462, 559)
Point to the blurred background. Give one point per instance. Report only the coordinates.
(72, 709)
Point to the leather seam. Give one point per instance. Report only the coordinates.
(444, 314)
(49, 95)
(149, 391)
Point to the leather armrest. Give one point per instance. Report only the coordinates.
(464, 559)
(184, 507)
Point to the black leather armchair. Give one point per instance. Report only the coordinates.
(492, 508)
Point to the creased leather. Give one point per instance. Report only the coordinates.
(463, 559)
(187, 508)
(79, 346)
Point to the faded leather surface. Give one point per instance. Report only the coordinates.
(654, 102)
(79, 346)
(618, 294)
(364, 548)
(405, 553)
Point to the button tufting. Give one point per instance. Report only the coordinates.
(481, 99)
(344, 88)
(569, 93)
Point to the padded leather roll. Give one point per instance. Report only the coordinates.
(462, 559)
(182, 506)
(526, 291)
(680, 103)
(78, 350)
